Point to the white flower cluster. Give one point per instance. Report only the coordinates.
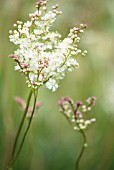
(76, 113)
(42, 55)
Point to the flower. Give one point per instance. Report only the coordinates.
(52, 84)
(76, 113)
(42, 56)
(22, 104)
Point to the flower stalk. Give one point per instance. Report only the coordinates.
(14, 155)
(20, 129)
(82, 150)
(27, 129)
(76, 114)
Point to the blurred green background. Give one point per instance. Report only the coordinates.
(51, 143)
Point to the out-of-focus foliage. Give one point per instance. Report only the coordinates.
(51, 143)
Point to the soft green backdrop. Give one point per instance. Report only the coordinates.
(51, 143)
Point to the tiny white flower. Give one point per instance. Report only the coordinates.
(87, 122)
(17, 67)
(38, 32)
(93, 120)
(52, 84)
(28, 24)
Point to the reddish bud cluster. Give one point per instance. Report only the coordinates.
(22, 104)
(76, 112)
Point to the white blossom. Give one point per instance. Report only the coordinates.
(42, 55)
(52, 84)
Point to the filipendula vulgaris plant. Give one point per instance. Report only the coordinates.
(77, 115)
(43, 57)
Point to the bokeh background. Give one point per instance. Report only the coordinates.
(51, 143)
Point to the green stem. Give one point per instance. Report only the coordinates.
(82, 150)
(20, 128)
(26, 131)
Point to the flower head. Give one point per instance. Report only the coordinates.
(77, 113)
(22, 104)
(42, 56)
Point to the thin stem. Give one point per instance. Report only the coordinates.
(27, 129)
(20, 128)
(82, 150)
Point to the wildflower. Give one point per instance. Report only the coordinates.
(42, 56)
(22, 104)
(76, 113)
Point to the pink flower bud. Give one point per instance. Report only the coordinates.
(38, 104)
(61, 101)
(14, 56)
(68, 99)
(20, 101)
(24, 65)
(79, 103)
